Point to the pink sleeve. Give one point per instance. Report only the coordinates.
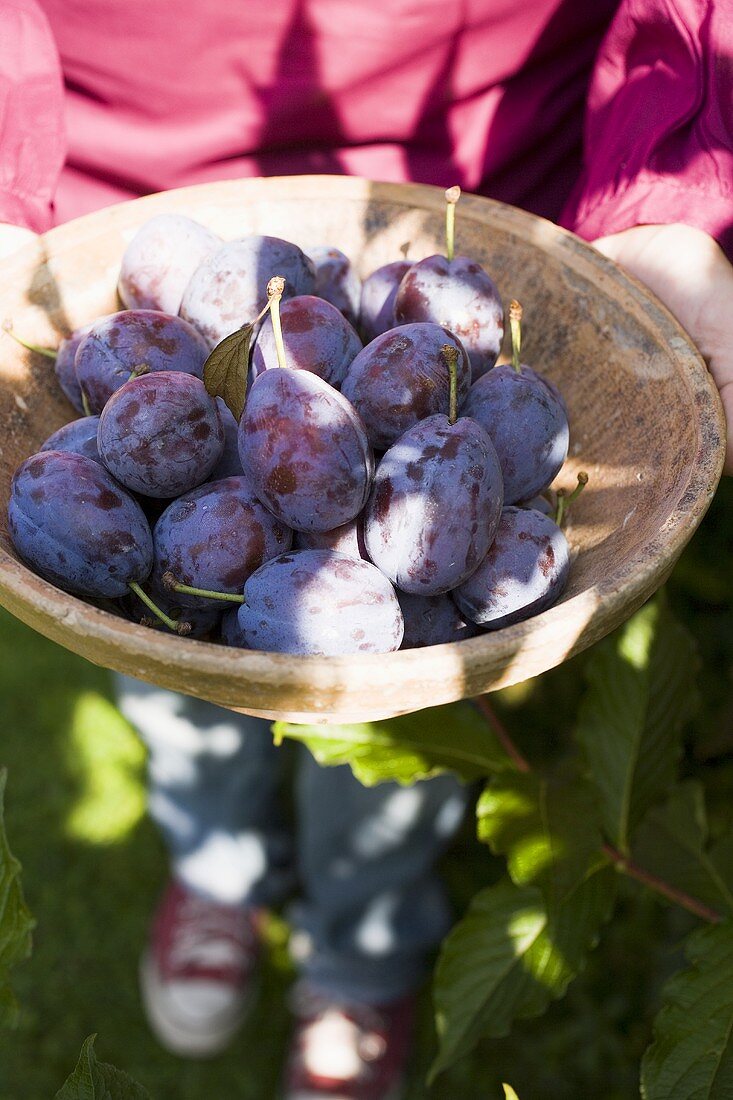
(32, 134)
(659, 125)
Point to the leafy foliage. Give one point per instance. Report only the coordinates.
(692, 1054)
(672, 843)
(548, 828)
(641, 693)
(410, 747)
(16, 922)
(93, 1080)
(510, 956)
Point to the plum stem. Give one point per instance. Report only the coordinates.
(177, 627)
(86, 407)
(138, 370)
(452, 196)
(48, 352)
(172, 583)
(515, 325)
(564, 498)
(275, 289)
(450, 353)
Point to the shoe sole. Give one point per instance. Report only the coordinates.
(179, 1037)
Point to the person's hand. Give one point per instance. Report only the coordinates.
(690, 273)
(13, 237)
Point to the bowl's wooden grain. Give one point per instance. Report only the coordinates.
(646, 424)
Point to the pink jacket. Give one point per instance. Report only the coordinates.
(602, 115)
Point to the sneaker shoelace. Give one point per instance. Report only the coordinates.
(209, 935)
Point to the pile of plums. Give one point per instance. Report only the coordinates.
(275, 454)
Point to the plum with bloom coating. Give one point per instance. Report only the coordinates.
(316, 337)
(402, 377)
(131, 342)
(524, 572)
(378, 292)
(65, 365)
(526, 419)
(347, 539)
(455, 291)
(159, 261)
(463, 297)
(336, 280)
(527, 425)
(215, 537)
(229, 288)
(305, 450)
(77, 527)
(161, 434)
(78, 436)
(320, 602)
(432, 620)
(435, 505)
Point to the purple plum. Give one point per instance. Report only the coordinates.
(161, 434)
(159, 261)
(229, 288)
(435, 505)
(402, 377)
(316, 337)
(214, 537)
(305, 450)
(378, 292)
(135, 341)
(320, 602)
(77, 527)
(524, 572)
(336, 280)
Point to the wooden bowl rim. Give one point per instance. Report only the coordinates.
(26, 594)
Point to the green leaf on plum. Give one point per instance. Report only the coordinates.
(227, 368)
(510, 956)
(93, 1080)
(407, 748)
(16, 921)
(691, 1057)
(641, 692)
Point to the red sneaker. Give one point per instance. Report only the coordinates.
(196, 976)
(348, 1051)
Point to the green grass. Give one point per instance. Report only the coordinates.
(93, 867)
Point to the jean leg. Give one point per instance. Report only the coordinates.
(213, 778)
(373, 907)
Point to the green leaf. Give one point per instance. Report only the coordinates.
(509, 1093)
(691, 1057)
(16, 921)
(227, 368)
(510, 956)
(672, 843)
(641, 693)
(411, 747)
(548, 828)
(93, 1080)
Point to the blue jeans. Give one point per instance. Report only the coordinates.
(371, 906)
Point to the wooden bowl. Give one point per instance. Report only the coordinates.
(646, 424)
